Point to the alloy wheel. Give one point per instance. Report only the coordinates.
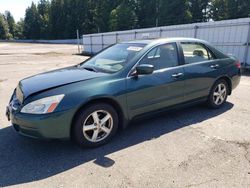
(97, 126)
(220, 94)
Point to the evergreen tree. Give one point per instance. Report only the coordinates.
(199, 10)
(229, 9)
(4, 28)
(74, 19)
(174, 12)
(43, 8)
(123, 17)
(101, 13)
(57, 19)
(238, 8)
(219, 9)
(147, 13)
(32, 23)
(19, 33)
(11, 23)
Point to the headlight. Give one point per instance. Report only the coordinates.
(43, 106)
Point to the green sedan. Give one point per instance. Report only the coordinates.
(89, 102)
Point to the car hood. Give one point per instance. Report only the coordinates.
(59, 77)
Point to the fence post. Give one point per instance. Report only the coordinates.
(102, 41)
(135, 35)
(195, 31)
(116, 37)
(91, 48)
(82, 44)
(247, 46)
(78, 40)
(160, 32)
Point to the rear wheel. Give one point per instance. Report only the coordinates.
(95, 125)
(218, 94)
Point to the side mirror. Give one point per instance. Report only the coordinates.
(144, 69)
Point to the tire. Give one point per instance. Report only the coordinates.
(95, 125)
(219, 90)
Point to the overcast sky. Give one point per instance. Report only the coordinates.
(16, 7)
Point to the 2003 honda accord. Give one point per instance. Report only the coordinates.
(90, 101)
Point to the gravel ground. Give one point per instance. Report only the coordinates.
(193, 147)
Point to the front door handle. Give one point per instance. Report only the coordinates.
(177, 75)
(215, 66)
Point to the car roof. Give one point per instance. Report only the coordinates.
(162, 40)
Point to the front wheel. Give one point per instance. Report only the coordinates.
(95, 125)
(218, 94)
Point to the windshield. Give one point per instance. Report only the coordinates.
(113, 58)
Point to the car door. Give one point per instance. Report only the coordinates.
(162, 88)
(201, 68)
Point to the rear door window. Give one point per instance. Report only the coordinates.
(195, 52)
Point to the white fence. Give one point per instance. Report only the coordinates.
(63, 41)
(231, 36)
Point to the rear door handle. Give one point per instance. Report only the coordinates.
(215, 66)
(177, 75)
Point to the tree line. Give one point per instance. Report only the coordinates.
(59, 19)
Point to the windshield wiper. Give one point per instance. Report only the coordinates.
(89, 68)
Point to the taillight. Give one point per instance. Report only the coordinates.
(238, 65)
